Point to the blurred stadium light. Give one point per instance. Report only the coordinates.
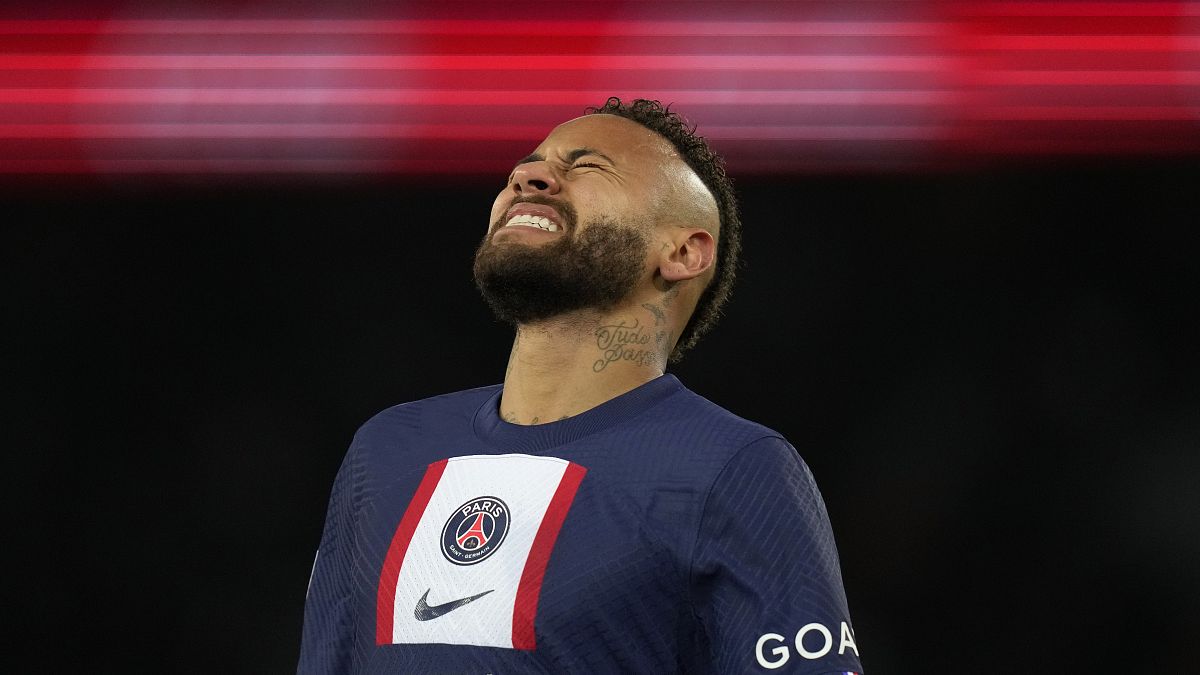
(467, 87)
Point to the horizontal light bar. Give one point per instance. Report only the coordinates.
(483, 62)
(828, 86)
(482, 97)
(523, 27)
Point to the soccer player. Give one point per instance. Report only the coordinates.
(591, 514)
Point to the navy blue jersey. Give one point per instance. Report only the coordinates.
(655, 533)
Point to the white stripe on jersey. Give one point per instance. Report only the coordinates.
(526, 485)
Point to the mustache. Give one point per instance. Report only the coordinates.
(564, 209)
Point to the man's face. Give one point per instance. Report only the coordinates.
(573, 227)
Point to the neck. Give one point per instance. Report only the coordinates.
(567, 365)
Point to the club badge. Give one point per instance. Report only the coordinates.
(475, 530)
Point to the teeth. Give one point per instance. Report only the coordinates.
(533, 221)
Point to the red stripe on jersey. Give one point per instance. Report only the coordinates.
(385, 607)
(530, 588)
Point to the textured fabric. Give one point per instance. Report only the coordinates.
(655, 533)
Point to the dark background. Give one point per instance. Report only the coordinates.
(992, 373)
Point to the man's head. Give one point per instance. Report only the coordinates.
(623, 202)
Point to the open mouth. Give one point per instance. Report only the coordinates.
(535, 216)
(528, 220)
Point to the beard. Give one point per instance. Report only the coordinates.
(596, 270)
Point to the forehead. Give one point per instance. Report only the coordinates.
(620, 139)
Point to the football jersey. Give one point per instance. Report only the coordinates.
(654, 533)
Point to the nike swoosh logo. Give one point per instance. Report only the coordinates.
(424, 612)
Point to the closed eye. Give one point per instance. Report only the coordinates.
(585, 164)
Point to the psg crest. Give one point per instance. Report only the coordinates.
(475, 530)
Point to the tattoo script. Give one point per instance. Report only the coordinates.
(623, 342)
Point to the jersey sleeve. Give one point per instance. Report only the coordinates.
(328, 634)
(766, 580)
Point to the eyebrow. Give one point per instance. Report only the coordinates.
(570, 157)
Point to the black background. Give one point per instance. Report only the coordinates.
(992, 373)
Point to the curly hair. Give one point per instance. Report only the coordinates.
(711, 169)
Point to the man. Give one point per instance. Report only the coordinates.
(590, 515)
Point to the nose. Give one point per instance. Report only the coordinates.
(533, 178)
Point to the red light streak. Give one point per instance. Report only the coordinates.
(481, 62)
(826, 87)
(469, 27)
(417, 97)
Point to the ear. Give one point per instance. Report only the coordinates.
(690, 257)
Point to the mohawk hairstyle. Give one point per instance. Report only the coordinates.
(711, 169)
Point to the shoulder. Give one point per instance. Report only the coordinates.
(454, 405)
(404, 438)
(687, 437)
(466, 401)
(715, 427)
(747, 457)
